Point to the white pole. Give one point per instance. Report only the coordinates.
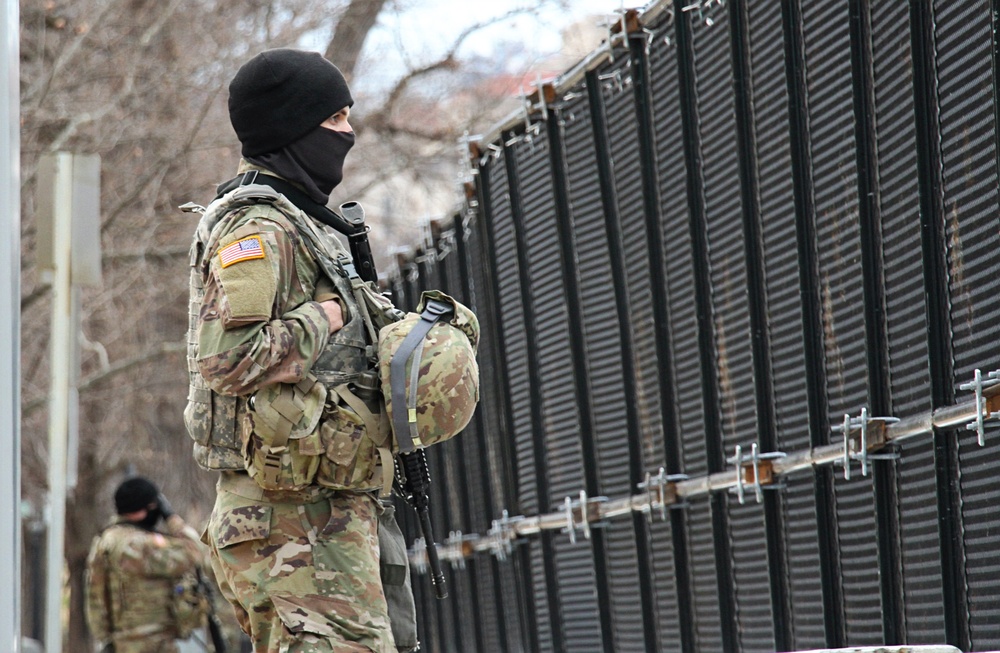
(10, 336)
(59, 395)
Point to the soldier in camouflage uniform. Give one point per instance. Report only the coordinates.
(133, 572)
(300, 566)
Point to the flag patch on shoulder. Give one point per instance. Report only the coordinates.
(246, 249)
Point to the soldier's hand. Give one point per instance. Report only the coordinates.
(334, 314)
(165, 508)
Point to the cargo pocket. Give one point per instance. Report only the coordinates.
(285, 448)
(244, 524)
(311, 620)
(351, 456)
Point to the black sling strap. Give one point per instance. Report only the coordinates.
(356, 232)
(294, 195)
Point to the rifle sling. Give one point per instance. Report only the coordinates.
(305, 203)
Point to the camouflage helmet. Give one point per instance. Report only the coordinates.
(447, 383)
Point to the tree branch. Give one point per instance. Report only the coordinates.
(116, 368)
(138, 255)
(447, 62)
(436, 136)
(350, 34)
(158, 170)
(43, 85)
(39, 291)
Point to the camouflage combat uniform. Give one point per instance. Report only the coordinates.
(301, 568)
(138, 571)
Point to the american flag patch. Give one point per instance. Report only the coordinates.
(246, 249)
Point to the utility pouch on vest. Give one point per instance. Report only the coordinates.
(394, 568)
(355, 440)
(189, 606)
(283, 452)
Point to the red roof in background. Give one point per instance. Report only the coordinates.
(516, 85)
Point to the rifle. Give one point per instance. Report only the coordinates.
(413, 478)
(412, 474)
(214, 627)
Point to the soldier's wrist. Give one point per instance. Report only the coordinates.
(175, 524)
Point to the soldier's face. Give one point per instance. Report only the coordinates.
(338, 122)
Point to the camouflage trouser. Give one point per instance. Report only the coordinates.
(301, 569)
(150, 644)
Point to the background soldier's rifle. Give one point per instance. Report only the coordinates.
(214, 627)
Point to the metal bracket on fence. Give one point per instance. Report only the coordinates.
(468, 218)
(983, 412)
(543, 105)
(661, 491)
(492, 150)
(419, 555)
(530, 129)
(570, 523)
(619, 83)
(568, 510)
(611, 32)
(871, 436)
(647, 35)
(457, 547)
(737, 460)
(757, 472)
(589, 512)
(700, 6)
(501, 535)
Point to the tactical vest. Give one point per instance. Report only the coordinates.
(332, 428)
(129, 607)
(220, 425)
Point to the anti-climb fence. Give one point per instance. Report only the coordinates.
(736, 274)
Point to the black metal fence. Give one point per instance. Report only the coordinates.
(741, 222)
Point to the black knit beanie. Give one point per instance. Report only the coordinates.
(134, 494)
(282, 94)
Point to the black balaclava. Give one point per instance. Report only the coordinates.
(151, 519)
(315, 161)
(136, 494)
(277, 101)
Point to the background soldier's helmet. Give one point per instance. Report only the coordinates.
(448, 382)
(134, 494)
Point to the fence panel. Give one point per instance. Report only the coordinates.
(738, 224)
(965, 40)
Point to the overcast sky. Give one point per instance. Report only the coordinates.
(422, 29)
